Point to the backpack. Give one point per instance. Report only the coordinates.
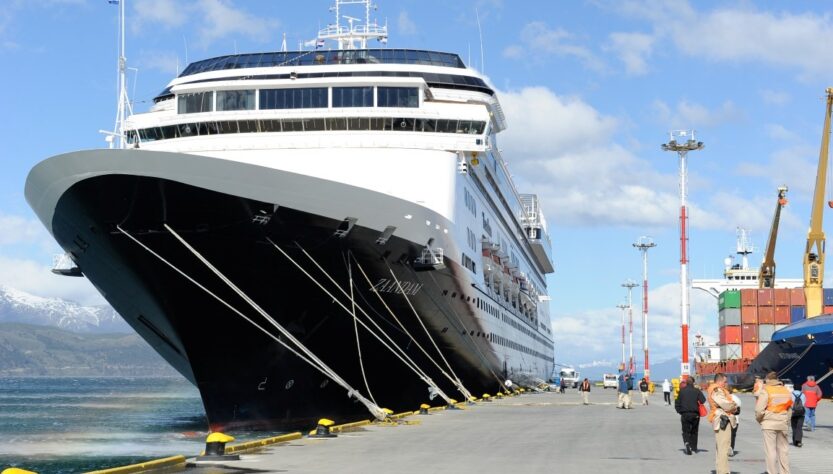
(798, 406)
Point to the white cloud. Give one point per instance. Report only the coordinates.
(221, 19)
(214, 19)
(405, 25)
(740, 34)
(537, 36)
(688, 115)
(38, 279)
(775, 97)
(567, 152)
(18, 230)
(168, 13)
(633, 49)
(794, 165)
(779, 132)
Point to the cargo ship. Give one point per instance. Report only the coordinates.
(325, 232)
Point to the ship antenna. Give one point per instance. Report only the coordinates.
(122, 102)
(480, 32)
(283, 43)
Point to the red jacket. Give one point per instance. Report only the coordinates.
(813, 394)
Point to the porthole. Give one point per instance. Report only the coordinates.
(289, 384)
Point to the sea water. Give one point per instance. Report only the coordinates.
(77, 424)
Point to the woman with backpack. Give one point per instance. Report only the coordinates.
(797, 419)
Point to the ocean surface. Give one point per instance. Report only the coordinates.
(77, 424)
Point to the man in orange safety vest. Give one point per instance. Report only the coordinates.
(773, 411)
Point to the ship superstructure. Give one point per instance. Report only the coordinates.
(282, 225)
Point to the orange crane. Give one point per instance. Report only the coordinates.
(814, 251)
(766, 275)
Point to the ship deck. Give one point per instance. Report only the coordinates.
(533, 433)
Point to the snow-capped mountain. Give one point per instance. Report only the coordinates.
(21, 307)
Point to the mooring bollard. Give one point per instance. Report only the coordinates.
(323, 429)
(215, 448)
(423, 409)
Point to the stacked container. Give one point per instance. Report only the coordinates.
(731, 335)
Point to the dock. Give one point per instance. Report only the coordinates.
(541, 432)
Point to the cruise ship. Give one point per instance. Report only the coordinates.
(324, 232)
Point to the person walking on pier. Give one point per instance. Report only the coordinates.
(623, 389)
(689, 409)
(643, 389)
(797, 418)
(813, 394)
(735, 399)
(722, 417)
(666, 391)
(584, 388)
(773, 412)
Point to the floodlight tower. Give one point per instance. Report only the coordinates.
(643, 244)
(624, 308)
(682, 142)
(630, 285)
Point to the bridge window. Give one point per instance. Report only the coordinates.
(195, 103)
(306, 98)
(397, 97)
(236, 100)
(352, 97)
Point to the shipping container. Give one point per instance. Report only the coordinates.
(729, 299)
(782, 315)
(749, 297)
(765, 297)
(779, 327)
(730, 335)
(729, 317)
(749, 332)
(766, 315)
(827, 310)
(765, 332)
(828, 296)
(781, 296)
(750, 350)
(797, 313)
(730, 351)
(749, 315)
(797, 297)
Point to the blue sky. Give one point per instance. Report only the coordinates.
(590, 89)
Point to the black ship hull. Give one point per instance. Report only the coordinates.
(246, 379)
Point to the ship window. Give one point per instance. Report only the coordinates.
(307, 98)
(293, 126)
(195, 102)
(403, 124)
(248, 126)
(379, 123)
(429, 125)
(352, 97)
(236, 100)
(337, 124)
(187, 130)
(358, 123)
(397, 97)
(270, 125)
(313, 125)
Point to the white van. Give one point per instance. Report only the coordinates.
(611, 381)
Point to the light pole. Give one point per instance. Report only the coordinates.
(643, 244)
(630, 285)
(624, 308)
(682, 142)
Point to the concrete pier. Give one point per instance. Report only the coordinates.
(545, 432)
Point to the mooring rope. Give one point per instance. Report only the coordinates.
(318, 365)
(356, 329)
(403, 356)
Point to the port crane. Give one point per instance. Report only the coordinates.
(814, 251)
(766, 275)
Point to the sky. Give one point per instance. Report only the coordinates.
(590, 90)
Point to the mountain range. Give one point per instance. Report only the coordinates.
(51, 336)
(17, 306)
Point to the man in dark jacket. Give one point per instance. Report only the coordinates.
(643, 389)
(686, 405)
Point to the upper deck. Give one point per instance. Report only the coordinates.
(324, 58)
